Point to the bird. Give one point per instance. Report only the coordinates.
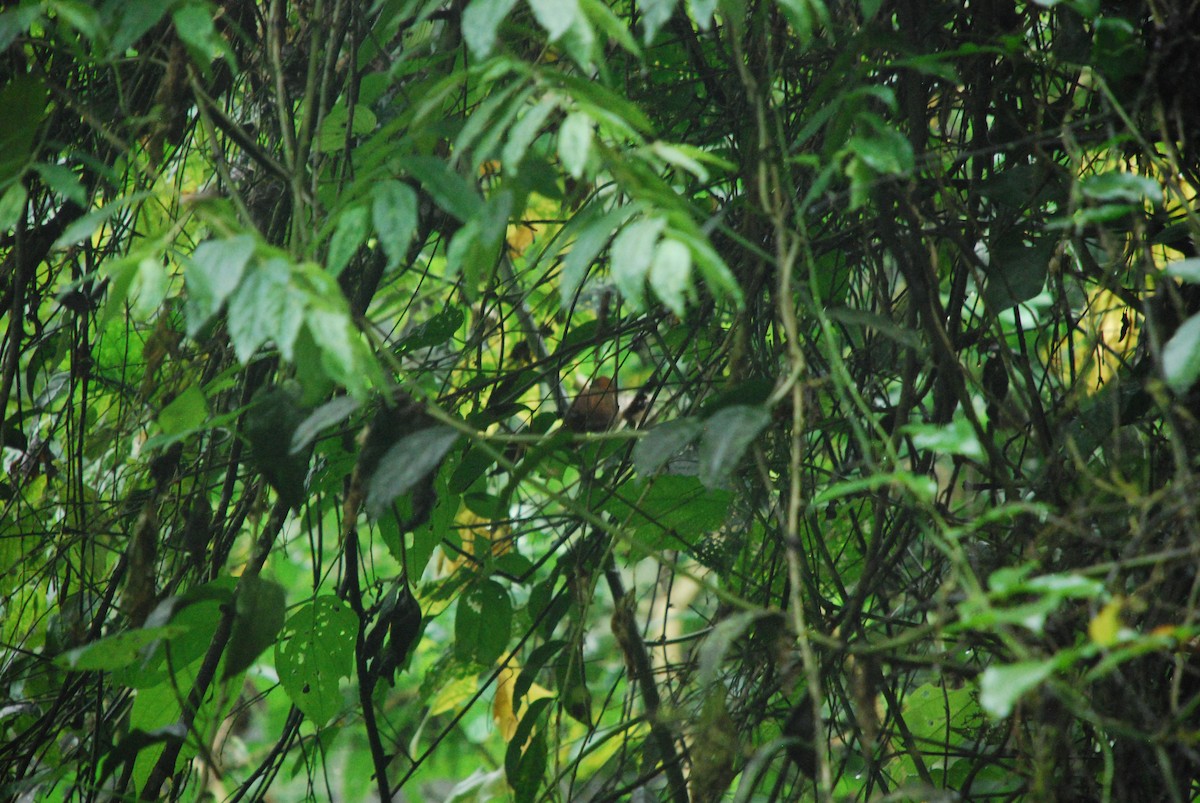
(595, 409)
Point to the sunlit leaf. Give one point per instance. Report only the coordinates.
(314, 653)
(482, 623)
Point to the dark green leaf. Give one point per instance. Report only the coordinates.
(406, 464)
(660, 444)
(331, 412)
(258, 618)
(727, 435)
(449, 190)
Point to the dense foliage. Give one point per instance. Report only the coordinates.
(569, 399)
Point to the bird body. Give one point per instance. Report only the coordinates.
(594, 410)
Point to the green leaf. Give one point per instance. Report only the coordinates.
(1181, 356)
(187, 412)
(671, 274)
(261, 306)
(394, 212)
(433, 332)
(115, 652)
(716, 645)
(1187, 270)
(405, 464)
(526, 130)
(331, 412)
(348, 237)
(316, 650)
(337, 129)
(212, 274)
(12, 205)
(257, 620)
(596, 230)
(1000, 687)
(1119, 186)
(479, 23)
(702, 12)
(556, 16)
(86, 226)
(670, 511)
(727, 435)
(630, 256)
(24, 101)
(655, 14)
(62, 180)
(663, 442)
(270, 426)
(449, 190)
(1017, 268)
(482, 623)
(575, 143)
(957, 437)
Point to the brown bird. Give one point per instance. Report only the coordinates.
(595, 409)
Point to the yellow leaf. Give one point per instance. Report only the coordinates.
(1105, 628)
(502, 706)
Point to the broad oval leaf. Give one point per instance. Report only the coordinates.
(257, 620)
(671, 274)
(631, 253)
(656, 448)
(315, 652)
(405, 464)
(556, 16)
(115, 652)
(1001, 686)
(575, 143)
(483, 623)
(394, 214)
(479, 23)
(727, 435)
(212, 274)
(1181, 356)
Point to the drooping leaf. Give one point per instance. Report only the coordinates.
(575, 143)
(331, 412)
(1181, 356)
(556, 16)
(348, 237)
(671, 274)
(270, 425)
(727, 435)
(480, 21)
(656, 448)
(655, 14)
(212, 274)
(631, 253)
(406, 463)
(394, 213)
(257, 620)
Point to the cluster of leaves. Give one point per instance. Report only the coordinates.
(899, 301)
